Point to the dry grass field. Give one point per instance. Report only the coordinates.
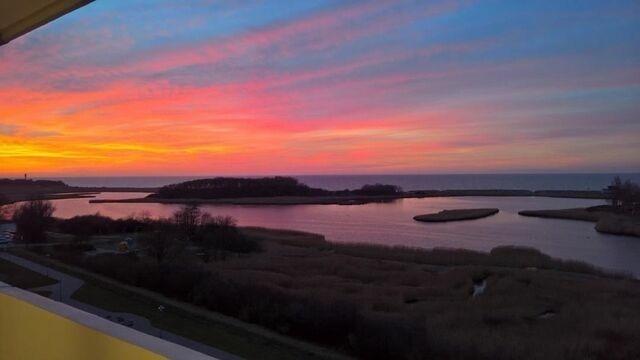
(378, 302)
(420, 302)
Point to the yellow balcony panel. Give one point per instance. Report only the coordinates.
(35, 327)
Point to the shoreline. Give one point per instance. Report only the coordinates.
(606, 222)
(361, 199)
(14, 195)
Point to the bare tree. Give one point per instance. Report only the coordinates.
(219, 221)
(32, 219)
(218, 235)
(162, 246)
(3, 207)
(616, 195)
(625, 196)
(188, 219)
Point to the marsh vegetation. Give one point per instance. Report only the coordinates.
(372, 301)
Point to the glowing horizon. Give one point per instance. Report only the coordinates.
(322, 87)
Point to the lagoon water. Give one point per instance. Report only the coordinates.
(391, 223)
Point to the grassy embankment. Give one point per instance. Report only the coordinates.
(275, 200)
(228, 334)
(233, 339)
(456, 215)
(18, 276)
(606, 221)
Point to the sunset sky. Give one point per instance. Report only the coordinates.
(324, 87)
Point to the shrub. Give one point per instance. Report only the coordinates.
(162, 244)
(388, 336)
(378, 189)
(32, 219)
(625, 196)
(88, 225)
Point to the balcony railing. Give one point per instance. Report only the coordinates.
(35, 327)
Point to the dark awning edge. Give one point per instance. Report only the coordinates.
(38, 18)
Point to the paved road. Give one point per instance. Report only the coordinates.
(67, 285)
(6, 233)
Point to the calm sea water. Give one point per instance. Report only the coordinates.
(407, 182)
(392, 223)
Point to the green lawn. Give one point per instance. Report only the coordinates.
(44, 293)
(224, 337)
(18, 276)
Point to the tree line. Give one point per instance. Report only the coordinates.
(228, 187)
(161, 239)
(625, 196)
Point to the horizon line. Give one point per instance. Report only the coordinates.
(40, 177)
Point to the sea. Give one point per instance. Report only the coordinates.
(582, 181)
